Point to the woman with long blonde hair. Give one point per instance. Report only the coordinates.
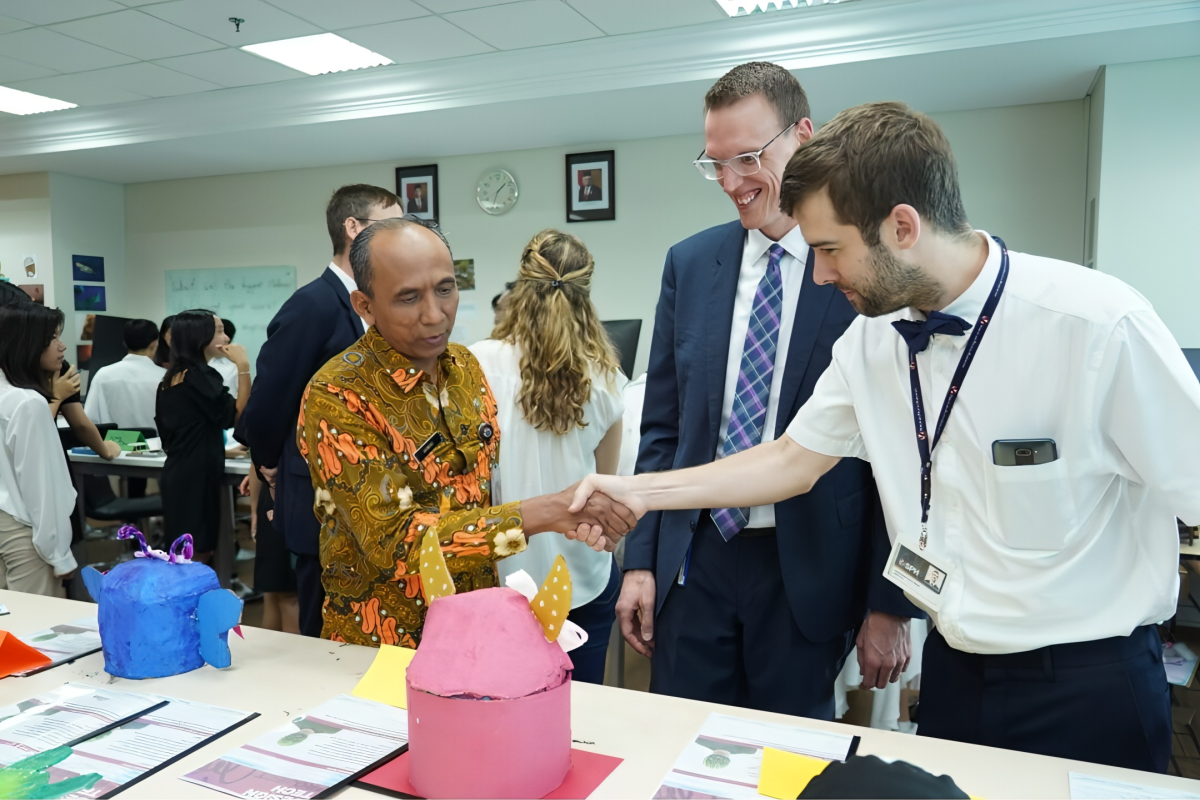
(557, 384)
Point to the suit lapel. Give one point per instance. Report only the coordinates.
(726, 268)
(810, 315)
(343, 296)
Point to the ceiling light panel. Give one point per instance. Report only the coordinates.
(317, 55)
(14, 101)
(741, 8)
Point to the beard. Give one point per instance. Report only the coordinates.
(892, 285)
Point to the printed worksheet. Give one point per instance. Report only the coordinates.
(725, 757)
(311, 754)
(64, 643)
(1093, 787)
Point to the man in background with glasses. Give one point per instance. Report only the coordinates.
(756, 607)
(315, 324)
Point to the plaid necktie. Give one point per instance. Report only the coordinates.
(753, 382)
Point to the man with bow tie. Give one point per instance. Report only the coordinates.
(1033, 429)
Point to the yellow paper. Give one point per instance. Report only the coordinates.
(784, 775)
(384, 681)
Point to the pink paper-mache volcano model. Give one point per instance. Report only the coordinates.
(489, 701)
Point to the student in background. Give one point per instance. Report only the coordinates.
(124, 393)
(274, 575)
(228, 370)
(313, 326)
(36, 496)
(193, 410)
(162, 355)
(500, 304)
(557, 386)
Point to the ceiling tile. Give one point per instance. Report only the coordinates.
(447, 6)
(12, 70)
(424, 39)
(350, 13)
(630, 16)
(10, 24)
(263, 22)
(136, 34)
(525, 24)
(46, 48)
(82, 88)
(230, 67)
(47, 12)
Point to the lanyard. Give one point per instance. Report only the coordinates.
(924, 445)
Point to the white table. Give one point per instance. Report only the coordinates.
(127, 465)
(280, 675)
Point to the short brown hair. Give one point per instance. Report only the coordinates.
(355, 200)
(873, 158)
(780, 87)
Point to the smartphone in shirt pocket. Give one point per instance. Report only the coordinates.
(1023, 452)
(1029, 495)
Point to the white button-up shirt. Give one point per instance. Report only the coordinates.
(35, 487)
(124, 393)
(1078, 549)
(350, 285)
(754, 267)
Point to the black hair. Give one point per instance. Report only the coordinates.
(27, 329)
(139, 334)
(360, 248)
(162, 355)
(230, 328)
(191, 333)
(508, 287)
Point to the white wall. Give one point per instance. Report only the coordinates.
(25, 230)
(1022, 169)
(1149, 179)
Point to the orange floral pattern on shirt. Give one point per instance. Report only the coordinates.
(364, 417)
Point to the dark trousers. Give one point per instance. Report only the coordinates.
(310, 593)
(1105, 701)
(728, 636)
(596, 617)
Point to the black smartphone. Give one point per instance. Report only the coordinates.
(1023, 452)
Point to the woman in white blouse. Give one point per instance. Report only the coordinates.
(554, 374)
(36, 497)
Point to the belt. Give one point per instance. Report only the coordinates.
(1143, 640)
(756, 533)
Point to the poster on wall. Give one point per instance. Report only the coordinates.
(591, 187)
(83, 355)
(464, 274)
(90, 298)
(87, 268)
(417, 188)
(29, 264)
(36, 292)
(87, 329)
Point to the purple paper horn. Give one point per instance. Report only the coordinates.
(130, 532)
(186, 542)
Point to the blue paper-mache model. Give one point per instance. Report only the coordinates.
(161, 614)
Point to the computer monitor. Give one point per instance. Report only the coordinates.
(625, 334)
(1193, 356)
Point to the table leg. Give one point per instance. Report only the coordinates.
(226, 544)
(80, 514)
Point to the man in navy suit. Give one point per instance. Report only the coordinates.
(314, 325)
(754, 607)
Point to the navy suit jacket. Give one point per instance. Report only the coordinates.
(832, 541)
(315, 324)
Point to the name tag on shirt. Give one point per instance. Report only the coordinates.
(920, 578)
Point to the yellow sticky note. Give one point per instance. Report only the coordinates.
(784, 775)
(384, 681)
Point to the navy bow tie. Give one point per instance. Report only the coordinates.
(917, 334)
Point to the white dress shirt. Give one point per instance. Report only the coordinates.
(350, 285)
(754, 267)
(1077, 549)
(35, 487)
(634, 397)
(229, 373)
(124, 393)
(534, 463)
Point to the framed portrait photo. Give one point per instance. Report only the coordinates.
(417, 188)
(591, 186)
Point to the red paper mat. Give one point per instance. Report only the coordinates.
(588, 770)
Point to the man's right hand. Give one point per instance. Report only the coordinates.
(66, 385)
(551, 512)
(635, 610)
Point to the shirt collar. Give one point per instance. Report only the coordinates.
(135, 357)
(793, 244)
(969, 304)
(397, 364)
(346, 280)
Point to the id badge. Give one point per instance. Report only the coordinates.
(921, 579)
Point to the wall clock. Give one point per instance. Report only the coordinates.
(496, 192)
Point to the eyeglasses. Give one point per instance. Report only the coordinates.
(744, 165)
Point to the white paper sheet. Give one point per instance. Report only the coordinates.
(311, 753)
(723, 760)
(1092, 787)
(64, 715)
(64, 643)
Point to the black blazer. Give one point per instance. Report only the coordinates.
(832, 541)
(314, 325)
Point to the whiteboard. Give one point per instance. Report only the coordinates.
(250, 296)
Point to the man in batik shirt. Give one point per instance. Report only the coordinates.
(400, 436)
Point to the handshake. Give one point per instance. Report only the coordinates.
(588, 512)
